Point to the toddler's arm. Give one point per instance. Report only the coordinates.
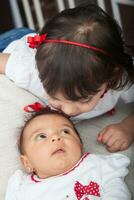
(3, 60)
(114, 169)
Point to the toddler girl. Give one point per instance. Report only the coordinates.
(52, 154)
(80, 67)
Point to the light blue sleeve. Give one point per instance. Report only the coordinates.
(21, 67)
(127, 94)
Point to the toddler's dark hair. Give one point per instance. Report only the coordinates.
(36, 114)
(76, 71)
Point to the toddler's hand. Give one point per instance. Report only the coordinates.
(116, 137)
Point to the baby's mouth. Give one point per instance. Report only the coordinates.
(58, 151)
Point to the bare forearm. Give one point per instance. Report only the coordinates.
(3, 60)
(129, 122)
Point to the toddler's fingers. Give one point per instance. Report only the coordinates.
(124, 146)
(106, 137)
(111, 141)
(100, 135)
(115, 147)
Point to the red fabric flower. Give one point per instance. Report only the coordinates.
(36, 40)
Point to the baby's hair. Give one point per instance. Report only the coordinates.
(76, 71)
(36, 114)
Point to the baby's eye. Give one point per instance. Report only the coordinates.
(41, 136)
(66, 131)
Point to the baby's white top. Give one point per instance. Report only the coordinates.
(94, 177)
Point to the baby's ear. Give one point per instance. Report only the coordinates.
(26, 163)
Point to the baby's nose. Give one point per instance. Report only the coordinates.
(56, 138)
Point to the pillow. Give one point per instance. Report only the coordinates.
(12, 102)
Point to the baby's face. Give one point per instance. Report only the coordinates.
(51, 145)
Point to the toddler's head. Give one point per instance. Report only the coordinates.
(49, 144)
(71, 73)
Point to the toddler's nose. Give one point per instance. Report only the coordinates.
(69, 111)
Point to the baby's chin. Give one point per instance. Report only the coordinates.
(60, 167)
(63, 166)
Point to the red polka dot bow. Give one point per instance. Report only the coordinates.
(36, 40)
(91, 189)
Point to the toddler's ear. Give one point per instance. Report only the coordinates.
(26, 163)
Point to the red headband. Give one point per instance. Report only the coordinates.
(39, 39)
